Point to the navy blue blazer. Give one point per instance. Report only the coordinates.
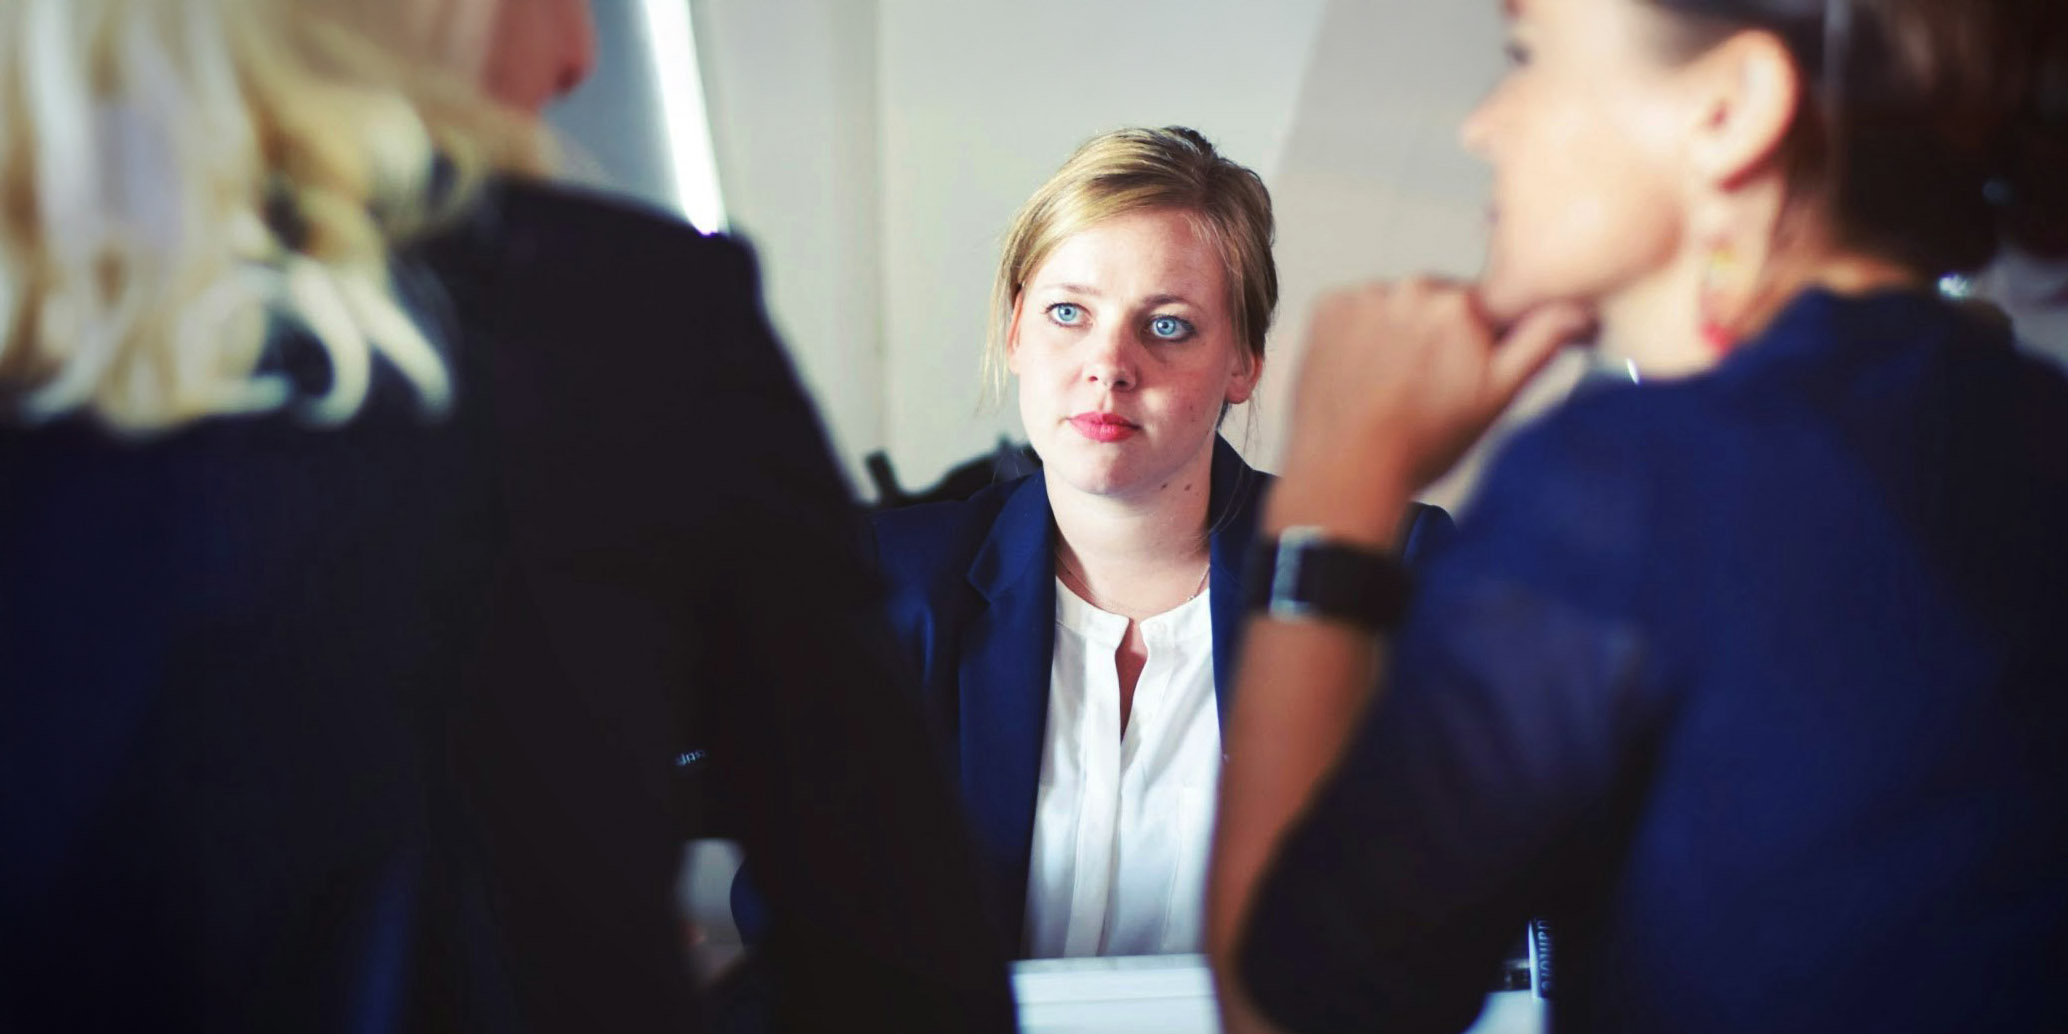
(972, 599)
(1752, 683)
(371, 729)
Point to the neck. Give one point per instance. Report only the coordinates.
(1144, 552)
(1657, 321)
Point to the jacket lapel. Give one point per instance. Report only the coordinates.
(1235, 494)
(1003, 682)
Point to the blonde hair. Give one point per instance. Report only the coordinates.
(179, 179)
(1134, 170)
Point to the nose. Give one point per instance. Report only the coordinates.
(1112, 363)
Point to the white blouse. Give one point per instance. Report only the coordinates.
(1122, 822)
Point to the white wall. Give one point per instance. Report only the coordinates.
(873, 151)
(612, 123)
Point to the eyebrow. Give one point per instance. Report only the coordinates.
(1149, 302)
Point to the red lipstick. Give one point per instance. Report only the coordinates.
(1103, 427)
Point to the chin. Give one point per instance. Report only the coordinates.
(1500, 290)
(1090, 475)
(1507, 294)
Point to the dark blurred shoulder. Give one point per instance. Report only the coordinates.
(521, 222)
(551, 263)
(626, 356)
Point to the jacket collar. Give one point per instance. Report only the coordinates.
(1236, 492)
(1231, 508)
(1021, 541)
(1003, 664)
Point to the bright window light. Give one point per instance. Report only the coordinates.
(671, 41)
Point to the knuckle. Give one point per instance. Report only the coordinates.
(1419, 286)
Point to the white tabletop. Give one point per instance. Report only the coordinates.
(1173, 994)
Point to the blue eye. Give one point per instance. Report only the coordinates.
(1066, 314)
(1170, 328)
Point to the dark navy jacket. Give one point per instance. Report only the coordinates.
(971, 593)
(372, 728)
(1756, 683)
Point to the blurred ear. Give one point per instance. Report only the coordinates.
(1749, 92)
(1012, 336)
(1249, 370)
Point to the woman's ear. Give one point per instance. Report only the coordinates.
(1247, 373)
(1749, 92)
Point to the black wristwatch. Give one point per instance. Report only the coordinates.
(1303, 575)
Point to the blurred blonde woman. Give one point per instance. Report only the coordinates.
(350, 627)
(1075, 629)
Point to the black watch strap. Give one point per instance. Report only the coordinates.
(1302, 575)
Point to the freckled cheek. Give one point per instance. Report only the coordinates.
(1196, 407)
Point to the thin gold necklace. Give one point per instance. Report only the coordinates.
(1093, 598)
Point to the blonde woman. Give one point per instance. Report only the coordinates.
(1075, 629)
(349, 621)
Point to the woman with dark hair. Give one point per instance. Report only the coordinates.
(1750, 676)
